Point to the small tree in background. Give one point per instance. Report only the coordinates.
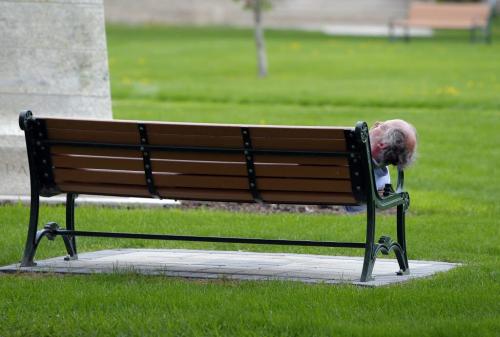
(257, 6)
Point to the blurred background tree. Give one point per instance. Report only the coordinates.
(257, 6)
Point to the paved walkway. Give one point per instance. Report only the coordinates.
(235, 265)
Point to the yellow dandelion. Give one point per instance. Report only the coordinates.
(452, 91)
(448, 91)
(295, 46)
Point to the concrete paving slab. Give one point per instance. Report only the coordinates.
(374, 30)
(236, 265)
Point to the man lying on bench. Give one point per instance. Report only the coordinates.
(392, 142)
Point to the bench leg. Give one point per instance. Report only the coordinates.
(370, 249)
(487, 34)
(391, 33)
(406, 33)
(70, 241)
(473, 34)
(401, 232)
(31, 240)
(385, 244)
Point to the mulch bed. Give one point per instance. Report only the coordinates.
(262, 208)
(270, 208)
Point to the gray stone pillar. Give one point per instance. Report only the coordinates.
(53, 61)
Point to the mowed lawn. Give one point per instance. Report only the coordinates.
(448, 88)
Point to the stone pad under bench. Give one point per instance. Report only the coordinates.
(235, 265)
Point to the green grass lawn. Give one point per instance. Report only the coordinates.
(448, 88)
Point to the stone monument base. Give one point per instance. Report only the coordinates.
(14, 170)
(53, 61)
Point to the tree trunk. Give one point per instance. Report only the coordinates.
(259, 39)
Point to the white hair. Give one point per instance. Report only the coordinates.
(396, 151)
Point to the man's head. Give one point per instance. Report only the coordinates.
(393, 142)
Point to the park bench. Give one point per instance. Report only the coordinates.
(209, 162)
(471, 16)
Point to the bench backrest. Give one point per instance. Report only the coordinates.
(467, 13)
(243, 163)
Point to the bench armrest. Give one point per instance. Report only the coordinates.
(394, 199)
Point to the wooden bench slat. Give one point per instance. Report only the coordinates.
(274, 131)
(305, 185)
(138, 178)
(113, 153)
(210, 194)
(296, 132)
(197, 156)
(260, 143)
(136, 164)
(295, 144)
(305, 160)
(304, 144)
(300, 171)
(269, 196)
(105, 163)
(194, 181)
(215, 130)
(93, 151)
(94, 136)
(131, 126)
(258, 158)
(91, 125)
(170, 193)
(195, 140)
(202, 168)
(205, 194)
(105, 189)
(239, 169)
(63, 175)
